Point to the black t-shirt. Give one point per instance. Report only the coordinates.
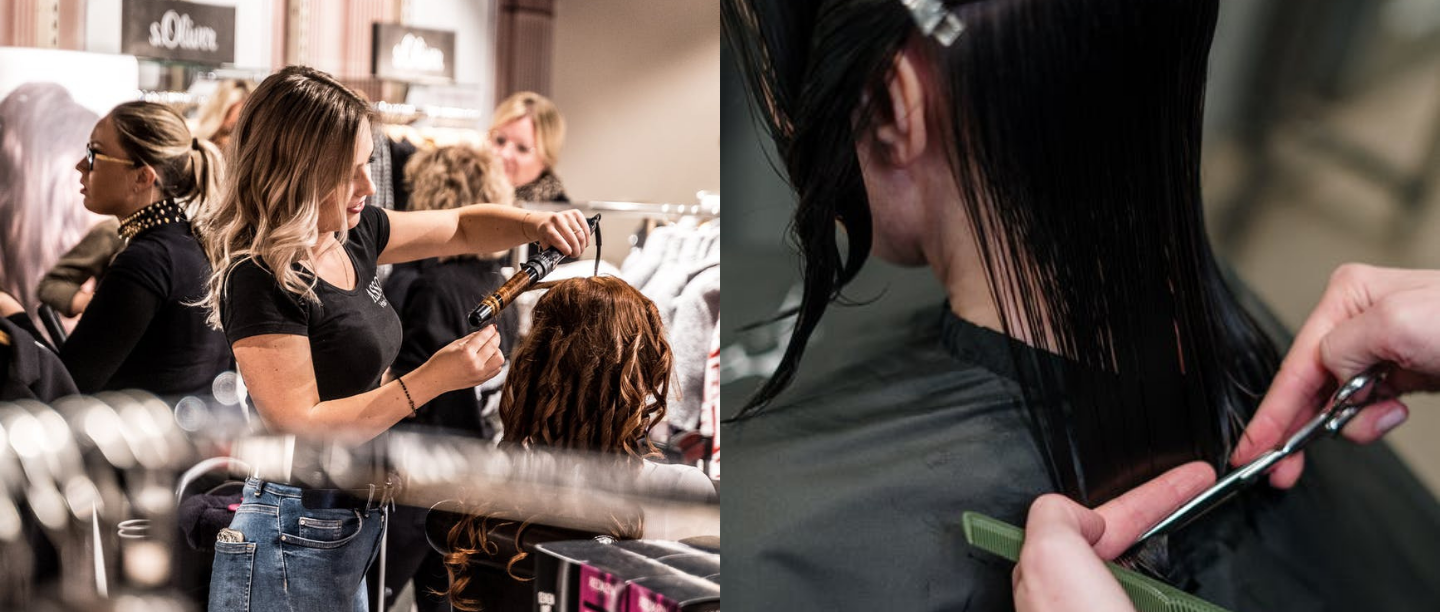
(438, 298)
(354, 335)
(140, 331)
(854, 487)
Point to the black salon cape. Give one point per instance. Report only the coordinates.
(853, 488)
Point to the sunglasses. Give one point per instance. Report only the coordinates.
(91, 155)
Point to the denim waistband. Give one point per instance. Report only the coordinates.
(271, 493)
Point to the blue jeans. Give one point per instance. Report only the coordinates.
(294, 558)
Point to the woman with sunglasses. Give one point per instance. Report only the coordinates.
(140, 330)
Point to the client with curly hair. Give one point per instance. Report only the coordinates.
(592, 376)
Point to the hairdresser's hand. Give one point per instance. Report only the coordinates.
(464, 363)
(1367, 315)
(1062, 563)
(565, 230)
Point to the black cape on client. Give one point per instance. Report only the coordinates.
(854, 489)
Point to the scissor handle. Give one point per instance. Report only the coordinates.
(1360, 391)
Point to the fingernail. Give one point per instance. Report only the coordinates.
(1390, 421)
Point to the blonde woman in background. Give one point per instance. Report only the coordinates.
(295, 248)
(221, 110)
(527, 133)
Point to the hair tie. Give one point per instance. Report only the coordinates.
(195, 143)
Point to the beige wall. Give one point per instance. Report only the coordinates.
(639, 84)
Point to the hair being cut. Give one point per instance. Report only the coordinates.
(292, 151)
(1073, 130)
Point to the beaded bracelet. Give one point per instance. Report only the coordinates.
(413, 412)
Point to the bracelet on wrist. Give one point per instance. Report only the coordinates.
(413, 412)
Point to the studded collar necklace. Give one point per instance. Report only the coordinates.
(158, 213)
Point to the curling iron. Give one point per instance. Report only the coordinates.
(530, 273)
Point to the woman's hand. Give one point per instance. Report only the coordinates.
(1062, 562)
(566, 230)
(82, 297)
(1367, 315)
(466, 362)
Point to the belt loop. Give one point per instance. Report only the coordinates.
(259, 487)
(370, 499)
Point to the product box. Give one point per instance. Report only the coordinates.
(587, 576)
(673, 593)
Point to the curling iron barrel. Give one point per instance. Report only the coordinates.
(530, 273)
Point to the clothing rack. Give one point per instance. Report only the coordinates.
(704, 211)
(173, 98)
(405, 114)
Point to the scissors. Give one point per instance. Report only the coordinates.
(1358, 392)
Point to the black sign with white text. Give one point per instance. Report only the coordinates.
(178, 31)
(413, 54)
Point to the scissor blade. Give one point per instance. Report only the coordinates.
(1217, 494)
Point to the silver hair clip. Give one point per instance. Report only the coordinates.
(935, 20)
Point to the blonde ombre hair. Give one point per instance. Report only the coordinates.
(292, 150)
(549, 125)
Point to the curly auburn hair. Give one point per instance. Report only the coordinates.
(453, 176)
(594, 372)
(593, 375)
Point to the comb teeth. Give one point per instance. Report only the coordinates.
(993, 536)
(1147, 594)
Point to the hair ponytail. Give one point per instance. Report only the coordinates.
(186, 169)
(207, 176)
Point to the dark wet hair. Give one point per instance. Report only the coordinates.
(1074, 130)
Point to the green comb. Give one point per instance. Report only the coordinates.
(1148, 594)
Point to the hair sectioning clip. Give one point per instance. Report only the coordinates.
(935, 20)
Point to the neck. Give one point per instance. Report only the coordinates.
(953, 252)
(325, 244)
(139, 203)
(954, 256)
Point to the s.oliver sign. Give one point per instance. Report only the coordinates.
(413, 54)
(180, 31)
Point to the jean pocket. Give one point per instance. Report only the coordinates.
(231, 575)
(325, 529)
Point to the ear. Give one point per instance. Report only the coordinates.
(901, 137)
(145, 178)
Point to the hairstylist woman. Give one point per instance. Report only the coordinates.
(295, 250)
(140, 330)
